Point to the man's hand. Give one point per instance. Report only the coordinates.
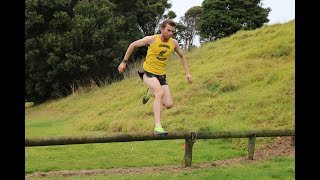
(122, 67)
(189, 78)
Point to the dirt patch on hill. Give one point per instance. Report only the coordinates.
(281, 148)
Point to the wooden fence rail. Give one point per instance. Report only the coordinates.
(190, 138)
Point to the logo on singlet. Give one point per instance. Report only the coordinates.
(160, 55)
(164, 45)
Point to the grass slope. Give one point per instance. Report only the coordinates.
(245, 81)
(242, 82)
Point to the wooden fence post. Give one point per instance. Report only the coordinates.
(293, 141)
(251, 144)
(188, 150)
(188, 153)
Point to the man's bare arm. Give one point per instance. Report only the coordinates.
(138, 43)
(183, 60)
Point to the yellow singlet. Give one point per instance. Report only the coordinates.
(158, 56)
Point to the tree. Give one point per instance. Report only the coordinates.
(179, 35)
(70, 43)
(170, 15)
(190, 25)
(73, 43)
(150, 13)
(141, 19)
(44, 22)
(221, 18)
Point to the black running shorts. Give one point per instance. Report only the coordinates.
(161, 78)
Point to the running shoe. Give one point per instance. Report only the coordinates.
(146, 97)
(160, 131)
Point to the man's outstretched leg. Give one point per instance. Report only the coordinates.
(155, 87)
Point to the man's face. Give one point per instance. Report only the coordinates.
(168, 31)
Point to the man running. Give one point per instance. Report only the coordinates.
(160, 48)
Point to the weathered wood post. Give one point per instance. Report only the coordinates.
(293, 141)
(251, 144)
(188, 149)
(188, 153)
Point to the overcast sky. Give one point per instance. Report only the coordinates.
(281, 10)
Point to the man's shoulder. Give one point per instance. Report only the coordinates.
(175, 42)
(149, 39)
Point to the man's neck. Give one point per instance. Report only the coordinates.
(163, 39)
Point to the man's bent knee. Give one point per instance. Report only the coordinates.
(158, 94)
(169, 106)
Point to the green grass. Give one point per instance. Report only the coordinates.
(277, 168)
(242, 82)
(128, 154)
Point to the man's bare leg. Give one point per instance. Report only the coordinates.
(155, 87)
(167, 100)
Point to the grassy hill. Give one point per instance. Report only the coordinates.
(242, 82)
(245, 81)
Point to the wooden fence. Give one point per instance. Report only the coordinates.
(190, 138)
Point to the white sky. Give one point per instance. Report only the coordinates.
(281, 10)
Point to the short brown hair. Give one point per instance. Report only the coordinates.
(168, 21)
